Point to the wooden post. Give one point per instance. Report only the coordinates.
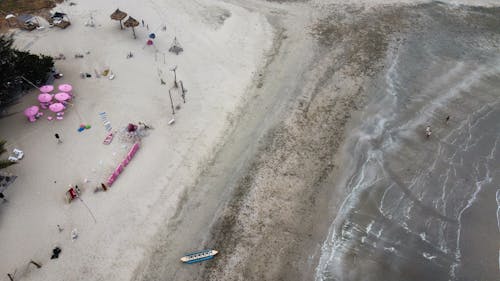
(183, 95)
(121, 27)
(133, 31)
(29, 82)
(36, 264)
(175, 79)
(171, 102)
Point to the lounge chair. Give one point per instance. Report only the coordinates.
(108, 139)
(19, 154)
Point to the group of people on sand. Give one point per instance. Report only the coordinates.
(428, 131)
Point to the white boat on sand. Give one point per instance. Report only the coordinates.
(199, 256)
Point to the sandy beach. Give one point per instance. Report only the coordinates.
(288, 105)
(224, 46)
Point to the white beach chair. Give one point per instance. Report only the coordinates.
(18, 154)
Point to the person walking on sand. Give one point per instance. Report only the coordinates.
(447, 118)
(142, 23)
(78, 191)
(428, 131)
(58, 138)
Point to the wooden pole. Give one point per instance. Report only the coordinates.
(133, 31)
(121, 27)
(175, 79)
(171, 102)
(36, 264)
(29, 82)
(183, 95)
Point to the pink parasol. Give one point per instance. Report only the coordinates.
(62, 96)
(46, 89)
(44, 97)
(31, 111)
(65, 88)
(56, 107)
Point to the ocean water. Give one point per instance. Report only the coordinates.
(425, 208)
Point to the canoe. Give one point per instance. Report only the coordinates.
(199, 256)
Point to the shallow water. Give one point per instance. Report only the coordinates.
(425, 209)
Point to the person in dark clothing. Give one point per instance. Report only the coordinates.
(58, 138)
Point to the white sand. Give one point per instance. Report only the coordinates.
(217, 65)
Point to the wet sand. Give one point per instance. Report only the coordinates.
(408, 214)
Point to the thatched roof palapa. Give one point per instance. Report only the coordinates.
(131, 22)
(119, 16)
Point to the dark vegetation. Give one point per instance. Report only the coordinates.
(17, 68)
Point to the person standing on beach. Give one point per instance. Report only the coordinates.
(428, 131)
(58, 138)
(142, 23)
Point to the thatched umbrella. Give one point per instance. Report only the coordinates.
(119, 16)
(131, 22)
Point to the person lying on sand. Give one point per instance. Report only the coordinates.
(144, 125)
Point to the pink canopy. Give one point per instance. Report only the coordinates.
(65, 88)
(46, 89)
(44, 97)
(62, 96)
(31, 111)
(56, 107)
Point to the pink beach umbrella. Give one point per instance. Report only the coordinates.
(46, 89)
(65, 88)
(44, 97)
(56, 107)
(62, 96)
(31, 111)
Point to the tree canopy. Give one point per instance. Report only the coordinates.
(4, 163)
(16, 64)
